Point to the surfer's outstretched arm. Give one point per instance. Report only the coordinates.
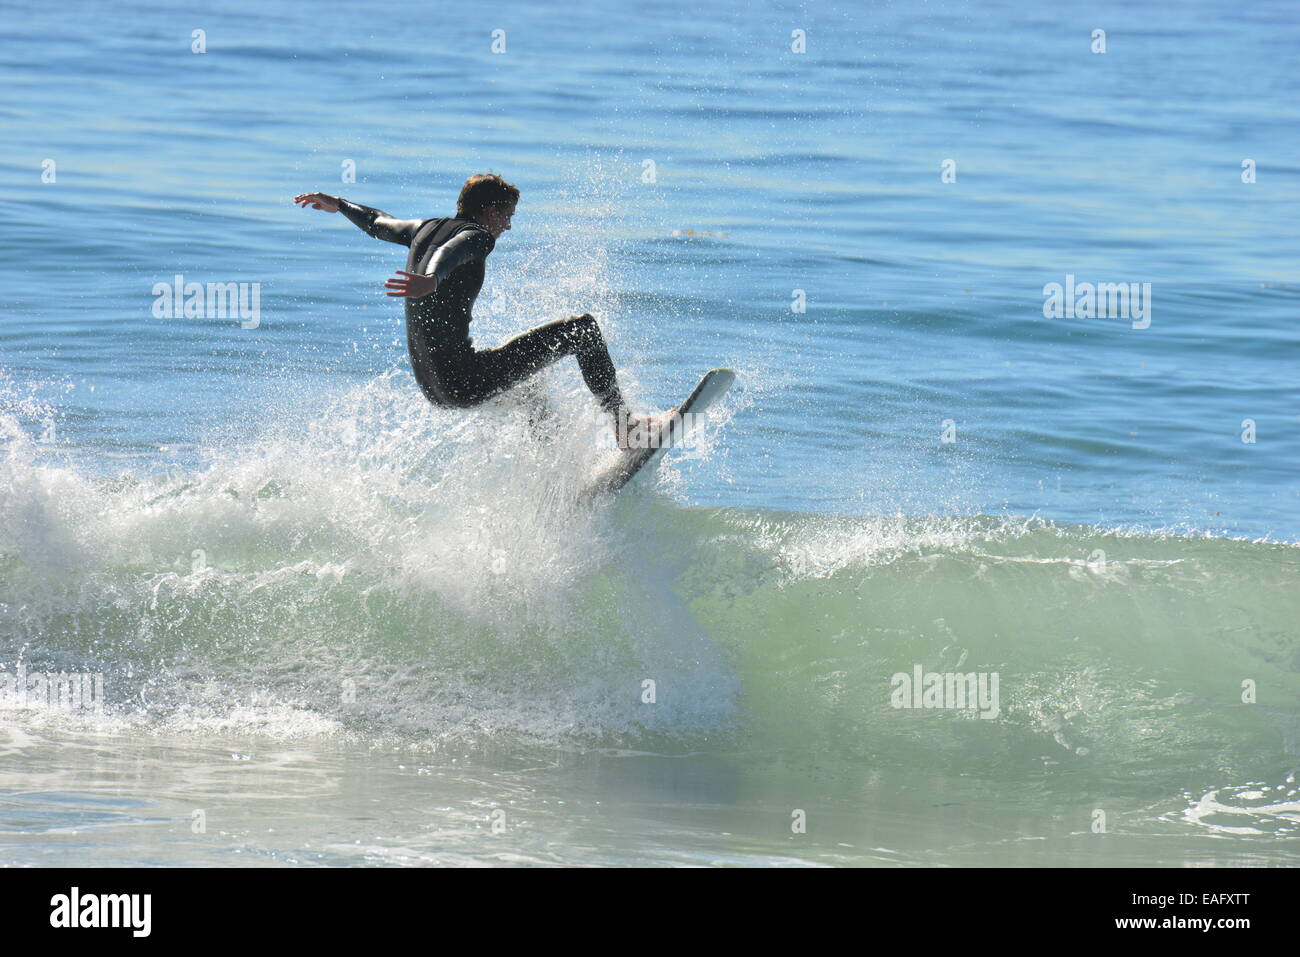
(373, 222)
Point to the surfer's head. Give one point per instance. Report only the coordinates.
(489, 200)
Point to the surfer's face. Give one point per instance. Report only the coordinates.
(496, 219)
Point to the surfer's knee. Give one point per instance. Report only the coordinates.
(583, 326)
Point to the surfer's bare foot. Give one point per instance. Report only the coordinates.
(643, 431)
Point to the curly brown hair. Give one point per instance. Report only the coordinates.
(483, 190)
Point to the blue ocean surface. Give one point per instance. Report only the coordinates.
(300, 580)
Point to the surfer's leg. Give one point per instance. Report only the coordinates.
(527, 354)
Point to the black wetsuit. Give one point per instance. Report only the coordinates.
(448, 367)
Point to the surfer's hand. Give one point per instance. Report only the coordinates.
(414, 285)
(318, 201)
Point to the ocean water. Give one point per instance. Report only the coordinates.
(334, 625)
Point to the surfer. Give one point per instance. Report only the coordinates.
(443, 275)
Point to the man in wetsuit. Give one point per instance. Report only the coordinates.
(443, 275)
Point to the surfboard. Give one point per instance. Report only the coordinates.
(613, 475)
